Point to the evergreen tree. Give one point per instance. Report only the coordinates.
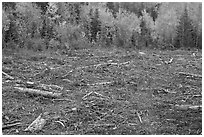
(95, 25)
(186, 35)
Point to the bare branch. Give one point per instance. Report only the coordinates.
(38, 92)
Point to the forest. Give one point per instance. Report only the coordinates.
(102, 68)
(45, 25)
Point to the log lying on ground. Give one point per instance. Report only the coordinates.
(189, 74)
(96, 66)
(38, 92)
(188, 107)
(10, 125)
(10, 77)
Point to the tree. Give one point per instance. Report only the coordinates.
(186, 37)
(195, 14)
(166, 24)
(95, 25)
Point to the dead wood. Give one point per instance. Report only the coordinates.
(109, 63)
(62, 99)
(92, 92)
(67, 80)
(189, 74)
(37, 124)
(10, 125)
(87, 95)
(140, 119)
(99, 125)
(51, 87)
(8, 76)
(60, 123)
(101, 95)
(96, 66)
(169, 62)
(38, 92)
(187, 107)
(102, 83)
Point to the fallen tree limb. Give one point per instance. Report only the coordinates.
(94, 93)
(99, 125)
(109, 63)
(101, 95)
(140, 119)
(189, 74)
(62, 99)
(87, 95)
(102, 83)
(12, 122)
(96, 65)
(10, 125)
(8, 76)
(187, 107)
(38, 92)
(51, 87)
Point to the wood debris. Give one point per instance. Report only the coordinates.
(8, 76)
(37, 124)
(38, 92)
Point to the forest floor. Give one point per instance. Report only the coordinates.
(102, 91)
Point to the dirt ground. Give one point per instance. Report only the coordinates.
(103, 91)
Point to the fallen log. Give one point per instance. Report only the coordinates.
(10, 125)
(38, 92)
(51, 87)
(96, 66)
(188, 107)
(102, 83)
(94, 93)
(8, 76)
(189, 74)
(140, 119)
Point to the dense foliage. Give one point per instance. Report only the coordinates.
(72, 25)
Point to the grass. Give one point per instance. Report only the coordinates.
(131, 102)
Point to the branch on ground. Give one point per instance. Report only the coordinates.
(38, 92)
(188, 107)
(8, 76)
(189, 75)
(10, 125)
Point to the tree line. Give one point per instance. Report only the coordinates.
(74, 25)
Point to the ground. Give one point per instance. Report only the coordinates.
(104, 91)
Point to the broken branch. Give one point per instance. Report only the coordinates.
(186, 107)
(189, 74)
(38, 92)
(10, 77)
(87, 95)
(100, 95)
(10, 125)
(140, 119)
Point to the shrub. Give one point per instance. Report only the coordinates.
(70, 36)
(53, 44)
(35, 44)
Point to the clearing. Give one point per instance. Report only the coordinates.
(102, 91)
